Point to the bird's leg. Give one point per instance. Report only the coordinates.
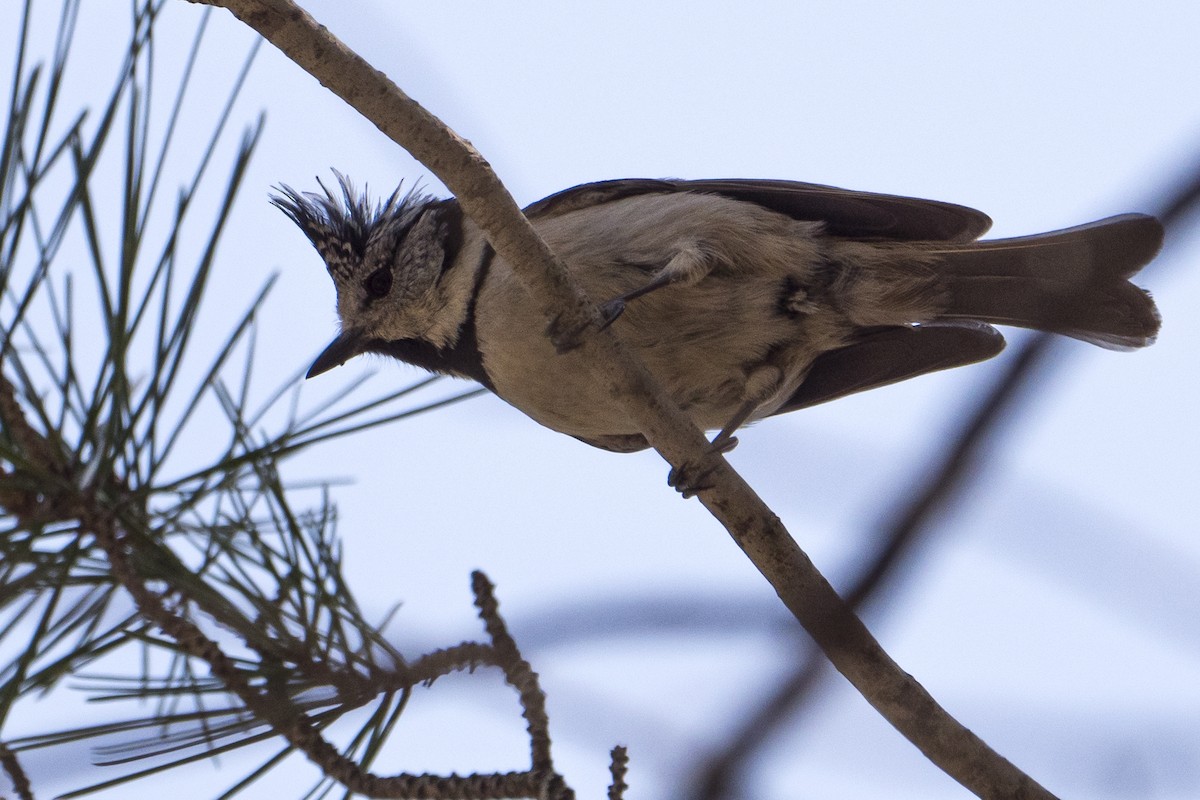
(761, 384)
(611, 309)
(689, 265)
(567, 339)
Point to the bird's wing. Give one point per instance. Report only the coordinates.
(890, 355)
(859, 215)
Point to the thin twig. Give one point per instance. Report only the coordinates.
(517, 671)
(16, 773)
(466, 656)
(760, 534)
(617, 768)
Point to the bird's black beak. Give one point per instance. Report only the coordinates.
(340, 350)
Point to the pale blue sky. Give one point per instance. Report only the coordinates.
(1055, 609)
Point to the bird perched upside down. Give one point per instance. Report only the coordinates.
(744, 298)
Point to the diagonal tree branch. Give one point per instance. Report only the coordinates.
(760, 534)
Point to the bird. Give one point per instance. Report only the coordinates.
(744, 298)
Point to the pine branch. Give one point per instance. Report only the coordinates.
(246, 627)
(16, 774)
(129, 552)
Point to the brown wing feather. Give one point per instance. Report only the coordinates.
(859, 215)
(881, 357)
(891, 355)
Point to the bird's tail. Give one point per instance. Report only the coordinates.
(1074, 281)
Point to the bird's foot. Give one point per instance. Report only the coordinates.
(610, 311)
(567, 336)
(690, 477)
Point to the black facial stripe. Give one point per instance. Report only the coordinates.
(450, 222)
(465, 356)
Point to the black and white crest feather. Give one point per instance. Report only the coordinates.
(340, 228)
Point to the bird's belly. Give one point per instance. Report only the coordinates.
(706, 379)
(560, 394)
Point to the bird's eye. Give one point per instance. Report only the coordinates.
(379, 282)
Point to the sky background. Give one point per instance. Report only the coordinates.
(1053, 610)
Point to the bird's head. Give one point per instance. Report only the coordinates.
(385, 259)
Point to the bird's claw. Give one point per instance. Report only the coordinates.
(610, 311)
(567, 337)
(689, 478)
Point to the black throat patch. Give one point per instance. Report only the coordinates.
(462, 359)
